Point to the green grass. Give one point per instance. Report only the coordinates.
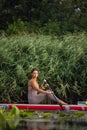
(62, 61)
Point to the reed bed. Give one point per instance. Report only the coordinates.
(62, 61)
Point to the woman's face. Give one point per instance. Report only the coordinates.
(35, 74)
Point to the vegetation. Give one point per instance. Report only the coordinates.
(60, 60)
(50, 35)
(14, 116)
(43, 16)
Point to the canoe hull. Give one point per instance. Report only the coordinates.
(51, 107)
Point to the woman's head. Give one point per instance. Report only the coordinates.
(34, 73)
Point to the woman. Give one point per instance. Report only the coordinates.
(35, 94)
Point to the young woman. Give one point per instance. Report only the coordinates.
(35, 94)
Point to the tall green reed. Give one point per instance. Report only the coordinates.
(63, 62)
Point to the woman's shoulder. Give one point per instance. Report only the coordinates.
(31, 81)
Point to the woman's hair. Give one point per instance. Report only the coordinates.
(34, 69)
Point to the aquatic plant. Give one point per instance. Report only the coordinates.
(10, 117)
(46, 114)
(79, 114)
(26, 113)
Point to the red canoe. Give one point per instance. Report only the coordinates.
(47, 107)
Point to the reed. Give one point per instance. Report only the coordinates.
(62, 61)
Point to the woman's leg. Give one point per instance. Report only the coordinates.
(56, 99)
(36, 99)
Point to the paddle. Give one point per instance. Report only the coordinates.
(45, 82)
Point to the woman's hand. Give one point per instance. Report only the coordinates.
(49, 92)
(46, 85)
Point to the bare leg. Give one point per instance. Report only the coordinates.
(61, 102)
(56, 99)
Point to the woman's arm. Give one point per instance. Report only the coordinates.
(35, 85)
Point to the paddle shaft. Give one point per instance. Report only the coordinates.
(45, 82)
(56, 98)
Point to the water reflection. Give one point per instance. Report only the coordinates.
(47, 125)
(55, 125)
(40, 125)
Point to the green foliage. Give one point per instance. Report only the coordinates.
(52, 27)
(17, 27)
(62, 61)
(47, 16)
(46, 115)
(11, 117)
(71, 115)
(26, 113)
(13, 112)
(2, 120)
(79, 114)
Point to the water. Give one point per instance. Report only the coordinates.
(53, 125)
(48, 125)
(46, 121)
